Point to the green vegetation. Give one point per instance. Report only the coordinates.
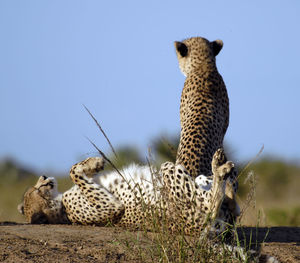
(276, 195)
(281, 216)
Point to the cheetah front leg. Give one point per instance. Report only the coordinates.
(219, 170)
(229, 208)
(88, 202)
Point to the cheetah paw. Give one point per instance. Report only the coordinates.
(92, 165)
(218, 158)
(220, 168)
(225, 169)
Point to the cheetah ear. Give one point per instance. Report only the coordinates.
(181, 48)
(216, 46)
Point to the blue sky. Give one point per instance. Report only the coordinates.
(118, 59)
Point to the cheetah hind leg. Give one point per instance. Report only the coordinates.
(99, 206)
(220, 169)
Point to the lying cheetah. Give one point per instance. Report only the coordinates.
(127, 199)
(204, 113)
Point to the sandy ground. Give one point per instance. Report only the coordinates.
(67, 243)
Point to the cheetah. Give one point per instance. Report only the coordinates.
(127, 198)
(204, 113)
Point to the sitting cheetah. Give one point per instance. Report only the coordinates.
(204, 113)
(204, 105)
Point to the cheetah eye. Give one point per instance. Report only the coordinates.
(181, 48)
(51, 184)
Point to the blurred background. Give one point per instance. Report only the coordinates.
(118, 59)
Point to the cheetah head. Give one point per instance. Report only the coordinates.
(196, 52)
(42, 202)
